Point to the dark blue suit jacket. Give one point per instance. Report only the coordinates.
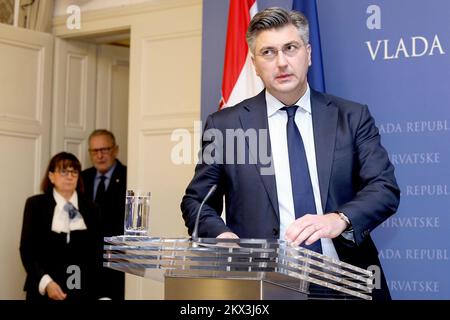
(112, 214)
(355, 176)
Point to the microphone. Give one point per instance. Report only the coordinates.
(195, 231)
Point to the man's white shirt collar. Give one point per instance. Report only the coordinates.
(273, 104)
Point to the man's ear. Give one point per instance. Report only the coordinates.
(254, 65)
(116, 151)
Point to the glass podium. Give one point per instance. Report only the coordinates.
(237, 269)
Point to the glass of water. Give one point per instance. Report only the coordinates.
(137, 213)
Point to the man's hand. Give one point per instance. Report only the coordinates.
(227, 235)
(55, 292)
(312, 227)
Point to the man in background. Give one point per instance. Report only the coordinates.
(105, 183)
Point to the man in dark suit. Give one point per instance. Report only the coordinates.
(328, 182)
(105, 183)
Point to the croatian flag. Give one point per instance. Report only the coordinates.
(315, 72)
(239, 80)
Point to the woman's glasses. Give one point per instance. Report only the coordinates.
(65, 172)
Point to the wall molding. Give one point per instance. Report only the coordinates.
(40, 82)
(80, 144)
(83, 91)
(37, 138)
(131, 11)
(172, 35)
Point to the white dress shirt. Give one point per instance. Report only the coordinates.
(61, 221)
(277, 130)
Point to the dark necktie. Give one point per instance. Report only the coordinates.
(302, 191)
(100, 190)
(71, 210)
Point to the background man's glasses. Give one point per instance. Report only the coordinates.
(65, 172)
(101, 150)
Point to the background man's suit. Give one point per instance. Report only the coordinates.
(112, 219)
(355, 177)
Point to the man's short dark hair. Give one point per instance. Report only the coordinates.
(274, 18)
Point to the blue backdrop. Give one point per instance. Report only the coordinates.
(394, 56)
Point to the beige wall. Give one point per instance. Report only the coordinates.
(164, 95)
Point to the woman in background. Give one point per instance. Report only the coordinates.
(61, 245)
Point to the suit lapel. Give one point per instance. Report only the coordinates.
(88, 180)
(115, 179)
(324, 118)
(254, 116)
(86, 211)
(49, 209)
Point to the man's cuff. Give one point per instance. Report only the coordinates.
(348, 235)
(45, 280)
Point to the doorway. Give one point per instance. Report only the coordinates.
(91, 90)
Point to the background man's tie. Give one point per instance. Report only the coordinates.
(100, 190)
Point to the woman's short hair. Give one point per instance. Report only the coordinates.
(62, 160)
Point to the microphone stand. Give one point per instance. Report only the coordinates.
(197, 219)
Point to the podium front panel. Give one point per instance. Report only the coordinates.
(264, 261)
